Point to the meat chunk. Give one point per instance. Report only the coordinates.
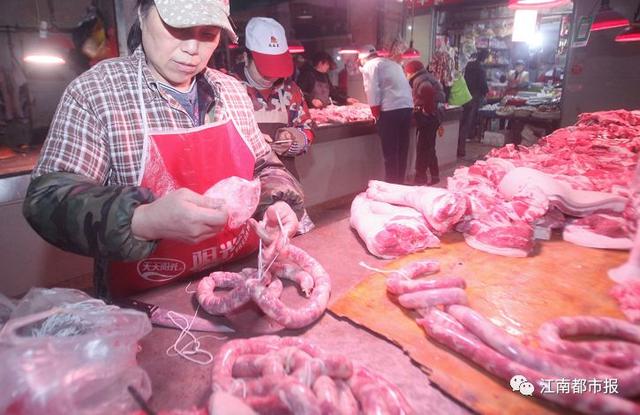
(390, 231)
(241, 198)
(441, 208)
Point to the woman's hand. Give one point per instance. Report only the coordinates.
(287, 217)
(316, 103)
(269, 229)
(282, 142)
(351, 101)
(181, 215)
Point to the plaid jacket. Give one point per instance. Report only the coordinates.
(83, 190)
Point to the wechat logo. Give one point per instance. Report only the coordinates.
(521, 384)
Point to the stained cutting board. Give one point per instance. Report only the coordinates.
(517, 294)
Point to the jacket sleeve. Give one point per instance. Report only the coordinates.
(277, 184)
(299, 113)
(439, 95)
(76, 214)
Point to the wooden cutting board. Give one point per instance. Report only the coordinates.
(517, 294)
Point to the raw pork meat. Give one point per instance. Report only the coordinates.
(441, 208)
(492, 224)
(593, 160)
(390, 231)
(341, 114)
(514, 240)
(599, 231)
(241, 198)
(628, 296)
(613, 355)
(561, 195)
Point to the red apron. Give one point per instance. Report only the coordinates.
(195, 158)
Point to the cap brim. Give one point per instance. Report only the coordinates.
(215, 17)
(274, 66)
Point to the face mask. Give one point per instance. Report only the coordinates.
(254, 78)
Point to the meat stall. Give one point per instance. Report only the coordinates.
(473, 291)
(346, 152)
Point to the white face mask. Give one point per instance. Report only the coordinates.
(254, 78)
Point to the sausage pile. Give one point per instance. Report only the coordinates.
(282, 375)
(292, 264)
(465, 331)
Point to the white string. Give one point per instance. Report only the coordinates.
(284, 234)
(191, 348)
(186, 289)
(261, 270)
(384, 271)
(243, 384)
(287, 359)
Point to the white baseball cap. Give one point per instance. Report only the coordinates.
(190, 13)
(267, 41)
(366, 51)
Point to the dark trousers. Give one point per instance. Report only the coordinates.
(468, 122)
(393, 128)
(426, 158)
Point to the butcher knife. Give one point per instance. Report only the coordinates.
(160, 317)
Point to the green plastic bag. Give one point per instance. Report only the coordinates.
(459, 94)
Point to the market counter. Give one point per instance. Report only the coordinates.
(178, 383)
(344, 157)
(27, 259)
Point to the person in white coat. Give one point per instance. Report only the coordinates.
(389, 96)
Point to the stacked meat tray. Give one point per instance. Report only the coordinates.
(580, 180)
(341, 114)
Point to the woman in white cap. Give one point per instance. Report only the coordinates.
(137, 140)
(279, 106)
(278, 103)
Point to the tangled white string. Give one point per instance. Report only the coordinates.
(191, 349)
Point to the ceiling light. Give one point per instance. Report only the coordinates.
(305, 15)
(348, 50)
(46, 51)
(631, 34)
(607, 18)
(411, 53)
(536, 4)
(295, 47)
(524, 25)
(44, 59)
